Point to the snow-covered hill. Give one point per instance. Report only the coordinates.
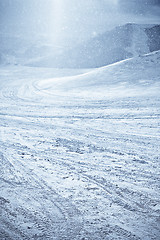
(136, 76)
(121, 43)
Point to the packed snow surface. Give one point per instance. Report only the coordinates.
(79, 152)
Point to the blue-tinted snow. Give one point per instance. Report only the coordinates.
(80, 154)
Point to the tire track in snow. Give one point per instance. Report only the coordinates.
(71, 150)
(70, 214)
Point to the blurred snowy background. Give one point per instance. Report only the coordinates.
(64, 33)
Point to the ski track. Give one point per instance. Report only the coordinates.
(76, 168)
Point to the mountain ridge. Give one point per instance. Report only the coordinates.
(118, 44)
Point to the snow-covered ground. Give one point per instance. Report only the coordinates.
(79, 155)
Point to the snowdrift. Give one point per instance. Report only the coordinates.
(121, 43)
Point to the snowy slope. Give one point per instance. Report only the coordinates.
(125, 77)
(120, 43)
(79, 155)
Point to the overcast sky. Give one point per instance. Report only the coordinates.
(73, 20)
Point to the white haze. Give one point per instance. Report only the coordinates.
(66, 22)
